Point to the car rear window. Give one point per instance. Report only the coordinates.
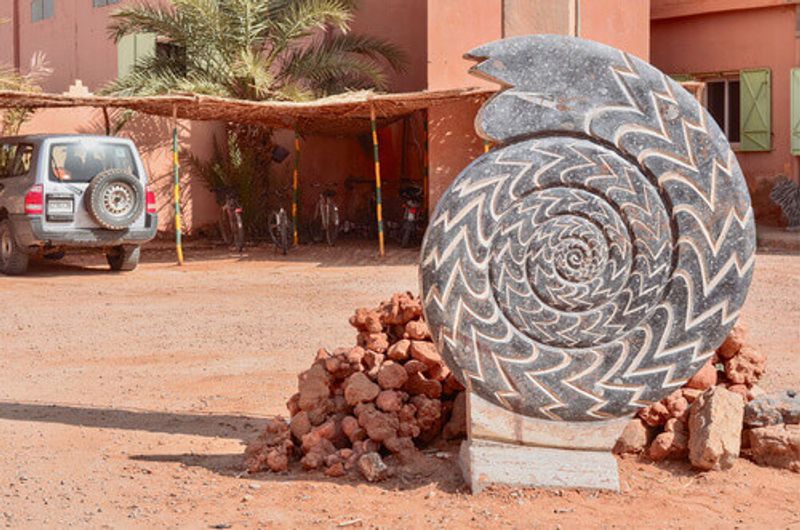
(82, 161)
(15, 159)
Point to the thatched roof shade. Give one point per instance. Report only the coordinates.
(342, 114)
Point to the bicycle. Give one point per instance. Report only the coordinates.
(231, 224)
(280, 228)
(325, 224)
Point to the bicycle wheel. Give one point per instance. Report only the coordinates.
(238, 231)
(284, 231)
(332, 226)
(407, 233)
(225, 227)
(317, 227)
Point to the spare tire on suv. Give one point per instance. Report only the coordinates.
(115, 199)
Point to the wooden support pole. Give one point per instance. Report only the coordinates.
(177, 185)
(426, 163)
(296, 187)
(107, 121)
(378, 199)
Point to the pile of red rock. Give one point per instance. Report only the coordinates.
(703, 421)
(388, 394)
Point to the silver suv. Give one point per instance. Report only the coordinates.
(73, 191)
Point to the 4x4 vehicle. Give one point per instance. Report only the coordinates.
(73, 191)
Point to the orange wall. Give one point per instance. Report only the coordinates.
(731, 41)
(153, 137)
(624, 24)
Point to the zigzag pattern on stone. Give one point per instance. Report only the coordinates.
(591, 269)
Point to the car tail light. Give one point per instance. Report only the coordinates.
(34, 200)
(150, 200)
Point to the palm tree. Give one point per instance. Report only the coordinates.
(253, 49)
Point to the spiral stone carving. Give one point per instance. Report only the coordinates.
(593, 262)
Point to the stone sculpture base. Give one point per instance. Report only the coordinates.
(507, 448)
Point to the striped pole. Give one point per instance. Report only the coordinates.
(177, 185)
(378, 200)
(295, 187)
(426, 162)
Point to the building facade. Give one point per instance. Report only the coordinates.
(748, 53)
(749, 79)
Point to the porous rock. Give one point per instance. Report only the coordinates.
(392, 375)
(358, 389)
(746, 367)
(715, 429)
(705, 378)
(373, 467)
(634, 438)
(776, 446)
(773, 409)
(734, 342)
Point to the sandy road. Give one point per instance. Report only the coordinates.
(125, 400)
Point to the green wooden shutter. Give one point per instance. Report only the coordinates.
(795, 111)
(756, 110)
(133, 48)
(682, 78)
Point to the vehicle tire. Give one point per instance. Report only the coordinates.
(407, 233)
(332, 230)
(115, 199)
(225, 231)
(13, 258)
(124, 258)
(284, 232)
(238, 234)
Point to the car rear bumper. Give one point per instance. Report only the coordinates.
(29, 232)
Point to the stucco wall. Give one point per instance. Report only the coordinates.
(622, 24)
(732, 41)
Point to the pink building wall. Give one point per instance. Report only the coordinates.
(729, 41)
(624, 25)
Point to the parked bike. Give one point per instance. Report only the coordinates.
(280, 227)
(325, 223)
(231, 225)
(412, 214)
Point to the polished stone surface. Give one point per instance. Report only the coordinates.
(593, 261)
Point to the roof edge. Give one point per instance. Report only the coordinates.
(666, 9)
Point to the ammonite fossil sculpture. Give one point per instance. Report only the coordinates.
(593, 261)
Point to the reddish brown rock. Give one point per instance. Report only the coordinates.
(426, 353)
(358, 389)
(440, 372)
(400, 309)
(417, 330)
(746, 367)
(654, 415)
(314, 387)
(705, 378)
(634, 438)
(336, 470)
(429, 411)
(391, 400)
(399, 444)
(415, 367)
(300, 425)
(392, 375)
(399, 350)
(776, 446)
(451, 385)
(691, 394)
(417, 384)
(293, 404)
(352, 429)
(733, 342)
(379, 425)
(715, 429)
(742, 390)
(377, 342)
(456, 427)
(272, 450)
(677, 405)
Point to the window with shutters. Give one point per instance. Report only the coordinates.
(132, 49)
(756, 109)
(41, 10)
(722, 99)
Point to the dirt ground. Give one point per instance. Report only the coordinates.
(126, 401)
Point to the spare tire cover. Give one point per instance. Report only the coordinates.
(115, 199)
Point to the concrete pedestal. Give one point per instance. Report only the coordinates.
(507, 448)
